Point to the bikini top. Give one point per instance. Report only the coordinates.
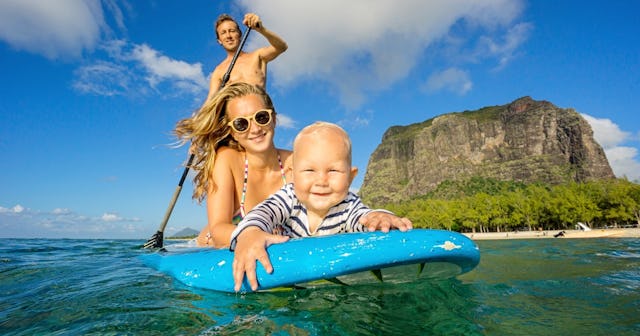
(246, 176)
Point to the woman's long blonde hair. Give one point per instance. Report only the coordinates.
(207, 130)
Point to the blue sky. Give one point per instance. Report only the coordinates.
(91, 90)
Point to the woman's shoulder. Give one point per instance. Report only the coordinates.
(228, 154)
(227, 151)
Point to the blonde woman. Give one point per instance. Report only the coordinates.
(236, 162)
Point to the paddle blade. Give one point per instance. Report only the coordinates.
(337, 281)
(421, 268)
(378, 274)
(155, 241)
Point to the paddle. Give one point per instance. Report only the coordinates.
(157, 239)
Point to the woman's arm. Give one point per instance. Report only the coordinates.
(221, 201)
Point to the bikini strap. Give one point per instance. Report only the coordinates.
(284, 177)
(244, 185)
(246, 178)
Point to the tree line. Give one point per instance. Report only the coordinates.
(486, 205)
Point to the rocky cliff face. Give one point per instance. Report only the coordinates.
(526, 141)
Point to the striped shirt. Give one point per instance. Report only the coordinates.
(283, 214)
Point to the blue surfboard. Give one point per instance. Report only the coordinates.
(338, 258)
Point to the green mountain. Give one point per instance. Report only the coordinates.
(524, 141)
(185, 233)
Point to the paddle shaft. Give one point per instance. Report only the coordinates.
(176, 193)
(226, 76)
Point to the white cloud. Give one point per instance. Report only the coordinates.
(133, 69)
(160, 68)
(60, 211)
(70, 28)
(54, 29)
(16, 209)
(285, 121)
(21, 222)
(357, 120)
(109, 217)
(113, 7)
(376, 47)
(504, 50)
(452, 79)
(103, 78)
(606, 132)
(624, 160)
(381, 45)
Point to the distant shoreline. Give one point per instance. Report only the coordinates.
(595, 233)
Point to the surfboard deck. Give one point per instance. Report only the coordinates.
(348, 258)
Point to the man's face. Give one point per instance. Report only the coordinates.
(228, 35)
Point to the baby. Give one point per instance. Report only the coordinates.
(317, 203)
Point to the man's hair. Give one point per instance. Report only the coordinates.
(225, 17)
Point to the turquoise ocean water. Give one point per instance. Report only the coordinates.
(521, 287)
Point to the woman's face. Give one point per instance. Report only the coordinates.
(256, 138)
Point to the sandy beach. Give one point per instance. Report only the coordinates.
(595, 233)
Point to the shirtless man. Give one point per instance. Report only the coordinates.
(250, 67)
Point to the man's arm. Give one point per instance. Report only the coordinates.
(277, 44)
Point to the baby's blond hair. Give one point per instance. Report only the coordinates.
(324, 127)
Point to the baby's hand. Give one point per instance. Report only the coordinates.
(252, 245)
(383, 221)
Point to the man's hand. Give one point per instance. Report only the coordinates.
(383, 221)
(251, 245)
(252, 21)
